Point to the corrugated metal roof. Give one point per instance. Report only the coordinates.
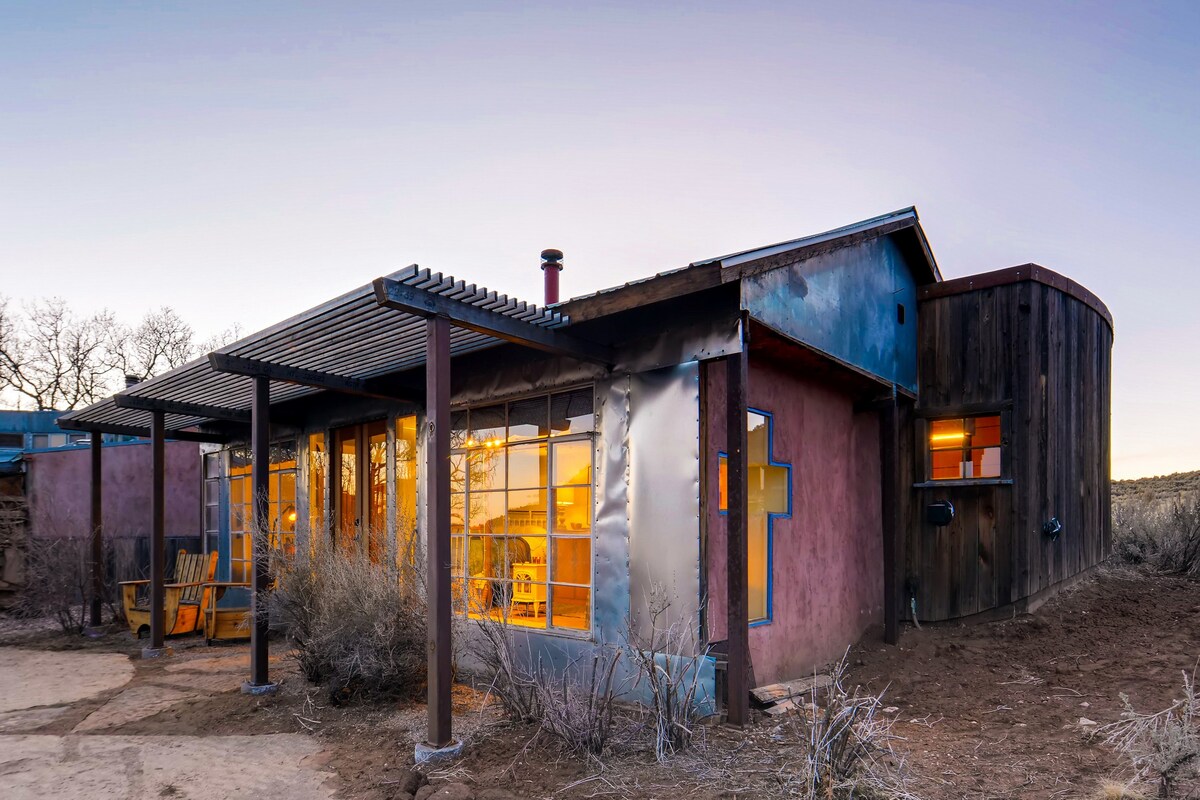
(351, 336)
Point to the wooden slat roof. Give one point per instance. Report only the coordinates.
(351, 336)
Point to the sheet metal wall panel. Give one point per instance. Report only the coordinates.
(664, 492)
(610, 536)
(844, 303)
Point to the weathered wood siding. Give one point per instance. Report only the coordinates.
(1040, 357)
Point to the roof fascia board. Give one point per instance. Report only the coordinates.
(401, 297)
(744, 268)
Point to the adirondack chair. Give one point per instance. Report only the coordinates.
(184, 600)
(230, 621)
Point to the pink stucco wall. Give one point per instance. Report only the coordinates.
(827, 559)
(58, 486)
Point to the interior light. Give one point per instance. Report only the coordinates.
(947, 437)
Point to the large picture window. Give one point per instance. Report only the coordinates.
(521, 510)
(964, 448)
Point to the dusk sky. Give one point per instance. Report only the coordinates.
(244, 161)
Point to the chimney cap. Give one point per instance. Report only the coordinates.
(552, 255)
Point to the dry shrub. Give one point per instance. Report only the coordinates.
(358, 627)
(574, 703)
(1163, 534)
(1163, 747)
(845, 747)
(668, 660)
(58, 575)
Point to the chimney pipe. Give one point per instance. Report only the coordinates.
(552, 265)
(132, 380)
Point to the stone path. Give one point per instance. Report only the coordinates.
(37, 687)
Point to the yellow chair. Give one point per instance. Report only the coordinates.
(183, 598)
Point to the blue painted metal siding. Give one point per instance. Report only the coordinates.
(844, 304)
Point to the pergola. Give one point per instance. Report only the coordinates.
(372, 341)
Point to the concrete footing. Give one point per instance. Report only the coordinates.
(259, 689)
(428, 754)
(156, 652)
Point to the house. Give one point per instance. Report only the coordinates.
(792, 443)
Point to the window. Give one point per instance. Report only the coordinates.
(212, 502)
(318, 472)
(406, 490)
(964, 448)
(40, 441)
(768, 488)
(14, 440)
(281, 505)
(521, 510)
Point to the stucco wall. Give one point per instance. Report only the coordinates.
(58, 487)
(827, 560)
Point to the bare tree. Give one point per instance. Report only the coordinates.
(160, 342)
(55, 359)
(219, 340)
(52, 357)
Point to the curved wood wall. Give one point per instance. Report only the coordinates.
(1041, 357)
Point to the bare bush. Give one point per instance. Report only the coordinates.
(58, 584)
(509, 678)
(1163, 534)
(1163, 747)
(845, 746)
(577, 701)
(358, 627)
(574, 703)
(668, 659)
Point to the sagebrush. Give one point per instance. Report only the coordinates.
(1162, 534)
(1163, 747)
(358, 627)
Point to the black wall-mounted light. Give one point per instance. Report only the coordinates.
(940, 513)
(1052, 528)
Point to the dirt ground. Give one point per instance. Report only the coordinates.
(984, 711)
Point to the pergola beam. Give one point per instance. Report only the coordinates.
(134, 430)
(237, 365)
(181, 408)
(412, 300)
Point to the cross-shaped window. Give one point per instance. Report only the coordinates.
(769, 495)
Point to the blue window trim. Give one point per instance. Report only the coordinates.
(771, 515)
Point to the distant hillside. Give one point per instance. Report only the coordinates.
(1158, 487)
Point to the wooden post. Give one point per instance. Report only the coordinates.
(437, 411)
(892, 524)
(157, 532)
(97, 531)
(736, 383)
(260, 546)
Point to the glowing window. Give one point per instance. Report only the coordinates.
(521, 510)
(768, 488)
(964, 448)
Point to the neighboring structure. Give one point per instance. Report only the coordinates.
(741, 436)
(45, 494)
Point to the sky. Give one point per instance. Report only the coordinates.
(242, 162)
